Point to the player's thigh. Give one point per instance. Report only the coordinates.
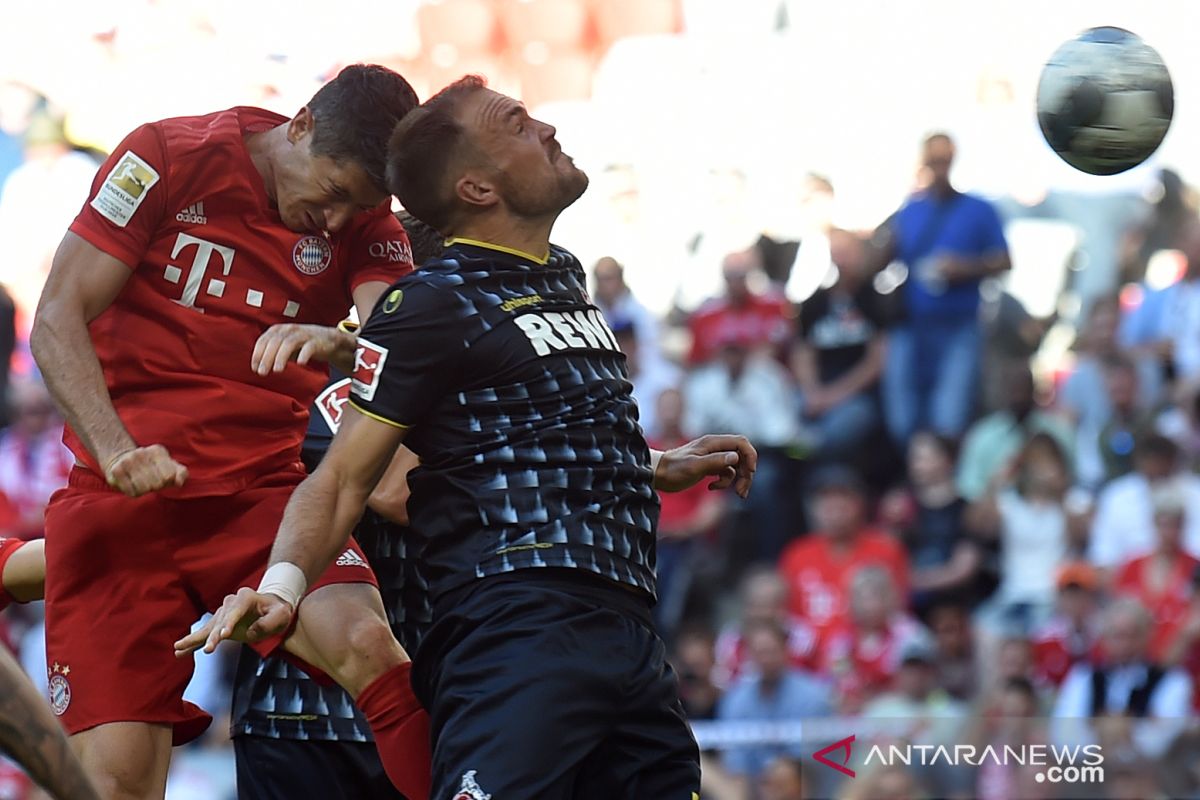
(114, 605)
(342, 630)
(126, 760)
(521, 699)
(284, 769)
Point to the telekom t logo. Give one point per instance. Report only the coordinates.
(195, 276)
(843, 744)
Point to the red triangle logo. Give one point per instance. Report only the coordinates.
(843, 744)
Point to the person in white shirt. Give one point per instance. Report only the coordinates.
(1123, 527)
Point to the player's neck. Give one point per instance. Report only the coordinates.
(527, 236)
(263, 147)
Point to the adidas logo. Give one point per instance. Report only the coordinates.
(351, 559)
(193, 214)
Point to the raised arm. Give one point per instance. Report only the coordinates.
(83, 282)
(316, 525)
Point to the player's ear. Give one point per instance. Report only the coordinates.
(476, 189)
(300, 126)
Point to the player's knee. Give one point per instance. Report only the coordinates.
(370, 650)
(128, 778)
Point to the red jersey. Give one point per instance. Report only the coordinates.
(732, 656)
(818, 574)
(1058, 646)
(1169, 606)
(861, 663)
(181, 203)
(762, 320)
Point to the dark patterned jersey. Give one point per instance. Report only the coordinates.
(516, 398)
(274, 698)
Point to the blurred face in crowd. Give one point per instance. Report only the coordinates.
(1125, 635)
(768, 650)
(928, 462)
(1019, 385)
(734, 357)
(1017, 702)
(1154, 466)
(1014, 658)
(782, 781)
(609, 282)
(1043, 470)
(33, 410)
(1077, 604)
(838, 511)
(937, 158)
(736, 270)
(1102, 326)
(895, 783)
(915, 679)
(670, 411)
(695, 656)
(1122, 382)
(764, 598)
(525, 166)
(951, 626)
(872, 599)
(847, 253)
(1168, 526)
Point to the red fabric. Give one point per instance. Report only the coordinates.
(732, 656)
(1056, 648)
(761, 320)
(1169, 605)
(175, 345)
(127, 577)
(818, 574)
(861, 663)
(401, 729)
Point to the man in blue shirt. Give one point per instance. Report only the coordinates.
(950, 241)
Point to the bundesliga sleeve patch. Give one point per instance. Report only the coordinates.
(124, 189)
(369, 359)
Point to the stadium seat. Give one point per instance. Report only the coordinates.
(555, 23)
(469, 25)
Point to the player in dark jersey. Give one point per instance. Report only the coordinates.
(534, 502)
(296, 737)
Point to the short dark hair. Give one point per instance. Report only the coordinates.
(426, 242)
(1155, 445)
(422, 150)
(355, 113)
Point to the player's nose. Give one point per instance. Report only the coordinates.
(336, 218)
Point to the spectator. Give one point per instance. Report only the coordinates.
(758, 320)
(1162, 580)
(695, 662)
(892, 781)
(1178, 330)
(1160, 229)
(34, 463)
(818, 568)
(1023, 509)
(749, 392)
(1123, 527)
(650, 377)
(944, 557)
(772, 691)
(1126, 423)
(1071, 635)
(1011, 722)
(958, 663)
(838, 357)
(809, 263)
(764, 598)
(783, 780)
(862, 652)
(1181, 423)
(615, 299)
(1127, 682)
(1086, 395)
(993, 441)
(933, 716)
(950, 242)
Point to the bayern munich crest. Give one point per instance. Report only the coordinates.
(312, 255)
(60, 688)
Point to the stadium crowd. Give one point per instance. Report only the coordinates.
(970, 521)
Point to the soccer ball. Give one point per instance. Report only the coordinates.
(1105, 101)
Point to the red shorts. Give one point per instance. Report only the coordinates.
(127, 577)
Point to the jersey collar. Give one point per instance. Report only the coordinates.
(501, 248)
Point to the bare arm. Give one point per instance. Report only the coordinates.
(83, 282)
(862, 375)
(804, 367)
(24, 576)
(32, 736)
(281, 344)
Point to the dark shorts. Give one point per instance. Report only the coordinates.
(553, 686)
(283, 769)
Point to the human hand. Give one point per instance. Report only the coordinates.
(247, 616)
(286, 342)
(141, 470)
(728, 458)
(953, 269)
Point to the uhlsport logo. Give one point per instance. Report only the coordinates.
(60, 688)
(469, 788)
(312, 255)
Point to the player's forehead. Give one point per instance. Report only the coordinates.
(344, 175)
(489, 110)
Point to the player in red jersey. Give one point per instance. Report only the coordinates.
(213, 252)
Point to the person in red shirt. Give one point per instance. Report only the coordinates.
(1162, 579)
(179, 330)
(1071, 635)
(764, 598)
(760, 320)
(819, 567)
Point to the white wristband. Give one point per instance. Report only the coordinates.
(655, 458)
(286, 581)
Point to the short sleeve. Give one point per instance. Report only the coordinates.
(408, 354)
(128, 198)
(378, 250)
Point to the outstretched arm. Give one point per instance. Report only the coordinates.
(32, 736)
(289, 341)
(316, 525)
